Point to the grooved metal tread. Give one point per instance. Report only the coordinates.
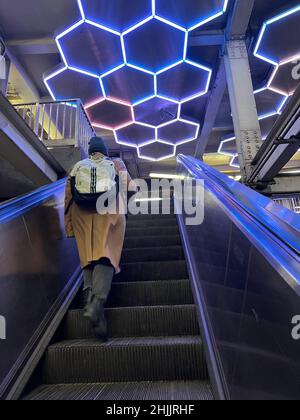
(130, 391)
(126, 360)
(137, 322)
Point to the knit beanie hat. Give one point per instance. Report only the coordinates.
(97, 145)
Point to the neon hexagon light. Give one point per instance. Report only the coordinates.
(156, 111)
(135, 135)
(127, 83)
(118, 59)
(178, 132)
(271, 29)
(156, 151)
(110, 114)
(190, 14)
(85, 47)
(269, 102)
(116, 13)
(286, 78)
(178, 82)
(154, 45)
(65, 84)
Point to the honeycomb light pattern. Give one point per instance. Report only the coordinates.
(116, 13)
(178, 83)
(156, 111)
(190, 14)
(72, 84)
(286, 78)
(178, 132)
(110, 114)
(155, 45)
(124, 50)
(272, 99)
(126, 83)
(90, 48)
(156, 151)
(135, 135)
(269, 102)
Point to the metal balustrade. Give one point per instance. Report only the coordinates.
(58, 124)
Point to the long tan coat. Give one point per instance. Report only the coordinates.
(97, 236)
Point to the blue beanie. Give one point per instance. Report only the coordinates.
(97, 145)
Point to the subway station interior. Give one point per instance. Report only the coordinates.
(201, 90)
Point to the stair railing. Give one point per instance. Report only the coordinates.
(58, 123)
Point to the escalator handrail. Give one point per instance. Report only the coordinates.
(12, 208)
(281, 222)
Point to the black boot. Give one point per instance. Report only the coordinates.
(96, 313)
(87, 299)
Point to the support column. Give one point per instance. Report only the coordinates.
(243, 105)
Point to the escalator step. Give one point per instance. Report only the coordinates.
(152, 293)
(147, 217)
(152, 241)
(155, 321)
(153, 254)
(139, 391)
(143, 223)
(152, 231)
(153, 271)
(126, 359)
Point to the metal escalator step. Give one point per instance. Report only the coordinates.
(153, 271)
(151, 222)
(155, 321)
(132, 391)
(159, 231)
(151, 293)
(126, 360)
(153, 254)
(152, 241)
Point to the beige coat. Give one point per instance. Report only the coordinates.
(97, 236)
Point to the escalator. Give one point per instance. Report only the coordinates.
(154, 349)
(199, 312)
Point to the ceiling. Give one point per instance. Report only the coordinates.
(151, 100)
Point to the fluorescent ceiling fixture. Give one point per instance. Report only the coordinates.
(167, 176)
(210, 18)
(145, 200)
(262, 33)
(153, 159)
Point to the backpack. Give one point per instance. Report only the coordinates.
(92, 178)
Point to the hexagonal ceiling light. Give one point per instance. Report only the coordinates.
(127, 83)
(156, 111)
(274, 43)
(286, 78)
(190, 14)
(116, 14)
(269, 102)
(128, 50)
(154, 45)
(178, 82)
(90, 48)
(178, 132)
(65, 84)
(135, 135)
(156, 151)
(228, 148)
(110, 114)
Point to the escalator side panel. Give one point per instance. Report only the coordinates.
(37, 263)
(248, 307)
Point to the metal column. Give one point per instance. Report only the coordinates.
(243, 105)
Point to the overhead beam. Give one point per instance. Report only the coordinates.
(207, 38)
(214, 102)
(37, 46)
(237, 27)
(239, 19)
